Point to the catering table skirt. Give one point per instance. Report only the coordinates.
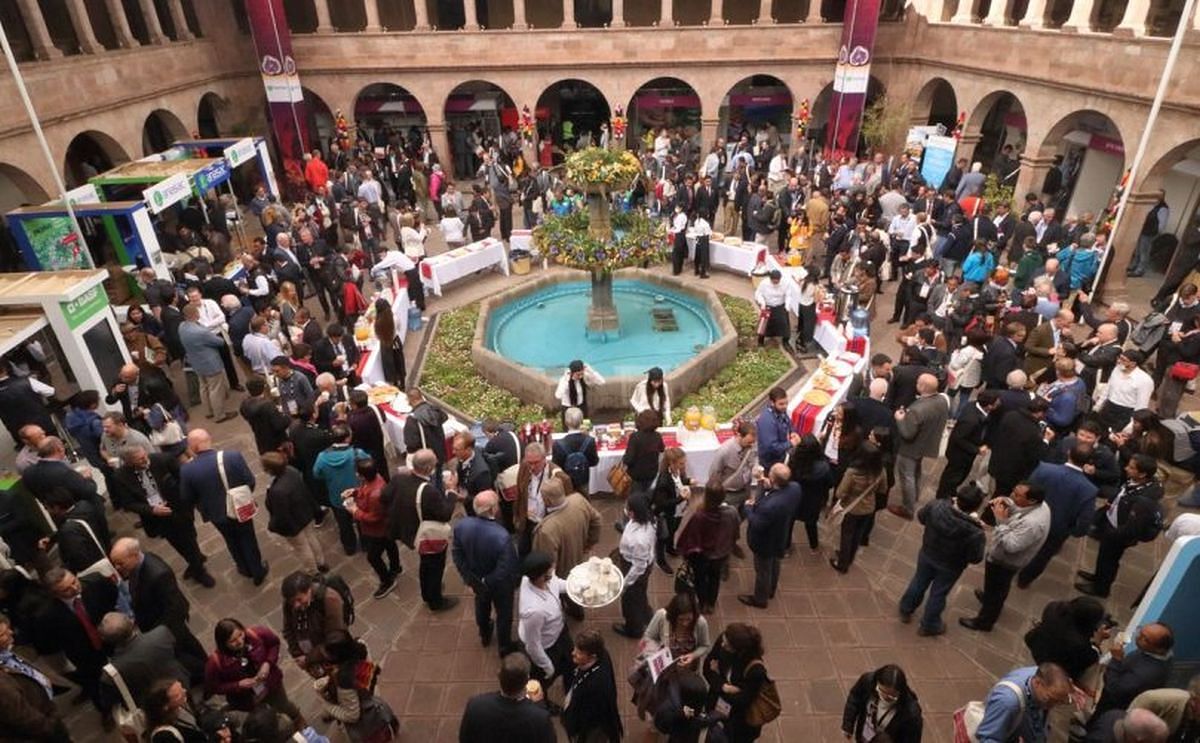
(701, 448)
(740, 259)
(439, 270)
(807, 417)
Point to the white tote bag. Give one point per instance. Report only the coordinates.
(239, 500)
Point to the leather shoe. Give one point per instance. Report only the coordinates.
(925, 632)
(1090, 589)
(665, 566)
(263, 572)
(448, 602)
(979, 594)
(751, 601)
(204, 578)
(624, 631)
(900, 511)
(1088, 576)
(972, 623)
(833, 563)
(905, 616)
(1023, 584)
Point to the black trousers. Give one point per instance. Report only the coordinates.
(707, 575)
(1108, 558)
(766, 578)
(416, 287)
(230, 369)
(560, 656)
(376, 548)
(429, 574)
(806, 325)
(181, 535)
(314, 280)
(678, 254)
(1051, 547)
(346, 532)
(997, 581)
(635, 606)
(701, 262)
(505, 222)
(500, 599)
(955, 473)
(853, 528)
(243, 546)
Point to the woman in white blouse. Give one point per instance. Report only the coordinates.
(542, 627)
(412, 237)
(966, 364)
(637, 552)
(652, 393)
(452, 227)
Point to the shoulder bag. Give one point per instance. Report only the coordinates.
(103, 566)
(169, 433)
(239, 500)
(389, 446)
(968, 717)
(767, 705)
(131, 720)
(619, 480)
(838, 512)
(433, 537)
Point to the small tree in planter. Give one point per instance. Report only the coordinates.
(884, 124)
(596, 240)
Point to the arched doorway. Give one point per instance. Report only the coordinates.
(938, 99)
(91, 153)
(320, 120)
(389, 115)
(18, 188)
(818, 115)
(570, 112)
(757, 102)
(161, 130)
(477, 113)
(1089, 154)
(999, 119)
(1177, 175)
(207, 116)
(662, 102)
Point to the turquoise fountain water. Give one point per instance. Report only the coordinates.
(546, 329)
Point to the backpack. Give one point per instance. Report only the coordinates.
(1155, 526)
(339, 584)
(1149, 332)
(1185, 431)
(576, 464)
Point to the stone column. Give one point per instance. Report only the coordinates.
(569, 14)
(439, 137)
(708, 135)
(39, 35)
(764, 12)
(814, 12)
(618, 13)
(965, 13)
(717, 17)
(1195, 19)
(936, 9)
(1033, 172)
(421, 13)
(1133, 23)
(966, 146)
(666, 16)
(1124, 242)
(997, 13)
(120, 23)
(373, 24)
(472, 18)
(324, 20)
(1035, 15)
(1081, 16)
(182, 32)
(519, 23)
(83, 28)
(153, 27)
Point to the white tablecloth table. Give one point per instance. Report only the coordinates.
(370, 365)
(523, 240)
(857, 363)
(439, 270)
(736, 258)
(700, 446)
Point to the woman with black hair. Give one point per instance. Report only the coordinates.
(652, 394)
(391, 346)
(881, 703)
(348, 688)
(671, 488)
(863, 482)
(682, 713)
(169, 714)
(244, 668)
(812, 472)
(1069, 634)
(841, 436)
(736, 676)
(637, 549)
(590, 713)
(1147, 435)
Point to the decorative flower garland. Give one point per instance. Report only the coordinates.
(636, 239)
(525, 125)
(802, 117)
(618, 123)
(596, 166)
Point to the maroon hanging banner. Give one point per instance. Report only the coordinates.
(285, 97)
(851, 77)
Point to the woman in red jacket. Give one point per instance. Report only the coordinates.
(365, 504)
(244, 669)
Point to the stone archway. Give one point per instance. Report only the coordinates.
(162, 129)
(663, 101)
(936, 103)
(568, 109)
(209, 115)
(1088, 151)
(997, 120)
(18, 188)
(476, 110)
(387, 109)
(320, 120)
(754, 102)
(91, 153)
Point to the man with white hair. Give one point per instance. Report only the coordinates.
(1099, 355)
(1140, 726)
(139, 658)
(416, 501)
(971, 184)
(919, 427)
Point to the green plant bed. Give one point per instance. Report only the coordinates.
(753, 370)
(449, 374)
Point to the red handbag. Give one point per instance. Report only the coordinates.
(1183, 371)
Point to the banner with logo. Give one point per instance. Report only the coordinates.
(285, 97)
(851, 77)
(50, 244)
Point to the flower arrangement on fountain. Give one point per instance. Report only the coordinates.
(596, 168)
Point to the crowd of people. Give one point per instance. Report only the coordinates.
(1042, 407)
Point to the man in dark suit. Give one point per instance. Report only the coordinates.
(52, 470)
(82, 537)
(470, 469)
(335, 353)
(366, 432)
(1147, 667)
(27, 711)
(68, 625)
(1099, 355)
(880, 367)
(310, 330)
(967, 442)
(507, 714)
(1132, 516)
(267, 422)
(1017, 242)
(404, 519)
(503, 448)
(157, 600)
(423, 427)
(149, 487)
(873, 410)
(1018, 445)
(1054, 233)
(1005, 224)
(903, 388)
(238, 316)
(141, 658)
(309, 440)
(705, 200)
(200, 486)
(1003, 355)
(486, 557)
(1072, 500)
(768, 527)
(138, 390)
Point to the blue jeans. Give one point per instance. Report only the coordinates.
(962, 401)
(936, 579)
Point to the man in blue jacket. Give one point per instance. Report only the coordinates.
(775, 436)
(486, 558)
(1072, 500)
(769, 520)
(1018, 707)
(953, 539)
(200, 485)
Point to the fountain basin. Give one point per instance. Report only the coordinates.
(527, 335)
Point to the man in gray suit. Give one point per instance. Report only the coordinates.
(920, 428)
(140, 659)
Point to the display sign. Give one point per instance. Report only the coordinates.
(285, 98)
(938, 158)
(52, 244)
(852, 77)
(211, 175)
(85, 194)
(166, 192)
(240, 152)
(84, 307)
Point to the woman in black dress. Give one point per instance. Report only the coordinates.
(642, 450)
(391, 348)
(737, 677)
(812, 471)
(590, 712)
